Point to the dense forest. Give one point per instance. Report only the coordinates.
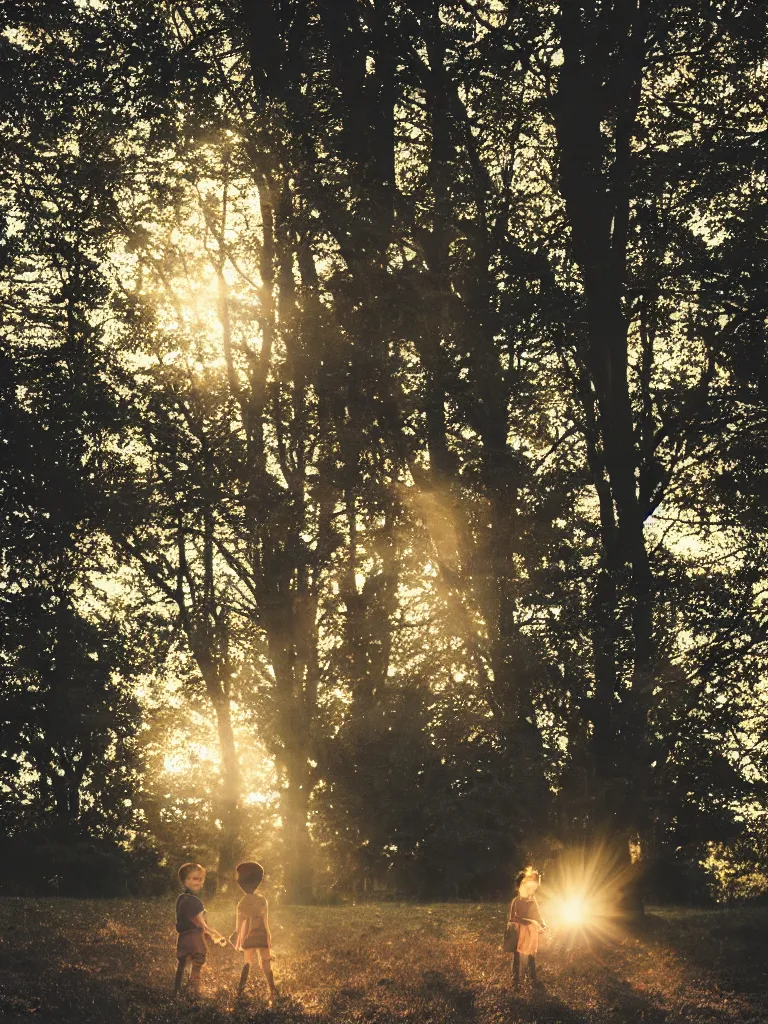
(383, 441)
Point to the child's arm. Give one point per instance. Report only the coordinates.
(538, 918)
(266, 926)
(243, 927)
(199, 922)
(241, 920)
(514, 917)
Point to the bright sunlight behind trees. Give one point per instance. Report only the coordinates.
(382, 440)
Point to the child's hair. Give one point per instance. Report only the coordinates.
(187, 869)
(249, 875)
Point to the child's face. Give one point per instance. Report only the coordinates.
(528, 887)
(195, 881)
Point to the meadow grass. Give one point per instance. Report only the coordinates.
(112, 962)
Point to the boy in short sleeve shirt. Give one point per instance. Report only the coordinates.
(191, 927)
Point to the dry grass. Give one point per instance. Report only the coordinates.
(113, 962)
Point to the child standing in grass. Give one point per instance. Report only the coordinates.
(252, 934)
(525, 919)
(191, 927)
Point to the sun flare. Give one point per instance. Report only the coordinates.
(573, 911)
(585, 901)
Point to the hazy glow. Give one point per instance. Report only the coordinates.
(583, 901)
(573, 911)
(182, 758)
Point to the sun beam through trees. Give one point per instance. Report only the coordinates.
(382, 441)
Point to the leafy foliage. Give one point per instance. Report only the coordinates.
(392, 376)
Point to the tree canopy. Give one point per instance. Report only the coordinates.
(382, 435)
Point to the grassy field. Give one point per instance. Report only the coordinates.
(113, 962)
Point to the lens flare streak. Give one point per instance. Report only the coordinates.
(584, 903)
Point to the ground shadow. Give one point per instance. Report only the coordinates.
(439, 997)
(109, 1002)
(729, 946)
(538, 1008)
(589, 965)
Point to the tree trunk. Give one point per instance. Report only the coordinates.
(599, 82)
(229, 793)
(297, 844)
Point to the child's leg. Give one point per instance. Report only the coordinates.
(243, 979)
(532, 969)
(194, 979)
(179, 975)
(266, 966)
(516, 970)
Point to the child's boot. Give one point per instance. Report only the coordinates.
(193, 989)
(515, 971)
(270, 979)
(535, 985)
(243, 980)
(179, 976)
